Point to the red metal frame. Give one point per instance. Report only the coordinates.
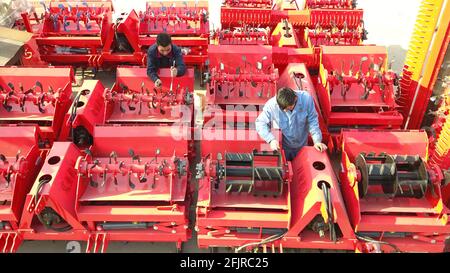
(311, 168)
(241, 72)
(31, 104)
(133, 92)
(424, 222)
(244, 35)
(188, 18)
(219, 213)
(249, 3)
(162, 200)
(334, 36)
(340, 17)
(54, 191)
(343, 71)
(135, 78)
(18, 170)
(312, 4)
(240, 220)
(284, 35)
(63, 18)
(233, 16)
(85, 113)
(113, 43)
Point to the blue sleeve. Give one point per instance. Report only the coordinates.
(152, 71)
(313, 121)
(263, 122)
(179, 62)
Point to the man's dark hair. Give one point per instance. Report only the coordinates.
(163, 39)
(286, 97)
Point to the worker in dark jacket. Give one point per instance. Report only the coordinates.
(164, 54)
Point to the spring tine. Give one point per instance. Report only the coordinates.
(228, 189)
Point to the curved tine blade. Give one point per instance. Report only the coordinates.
(41, 109)
(3, 157)
(8, 179)
(140, 108)
(154, 182)
(115, 181)
(112, 155)
(7, 107)
(130, 183)
(11, 86)
(131, 152)
(142, 179)
(88, 152)
(18, 154)
(122, 109)
(365, 95)
(92, 182)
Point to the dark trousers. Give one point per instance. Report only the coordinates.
(291, 153)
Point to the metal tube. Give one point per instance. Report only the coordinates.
(126, 225)
(270, 231)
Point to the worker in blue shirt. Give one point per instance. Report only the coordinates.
(164, 54)
(295, 114)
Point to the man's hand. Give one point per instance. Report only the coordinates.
(173, 71)
(274, 145)
(320, 147)
(158, 83)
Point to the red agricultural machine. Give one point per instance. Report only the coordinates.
(252, 198)
(119, 189)
(40, 96)
(111, 164)
(85, 35)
